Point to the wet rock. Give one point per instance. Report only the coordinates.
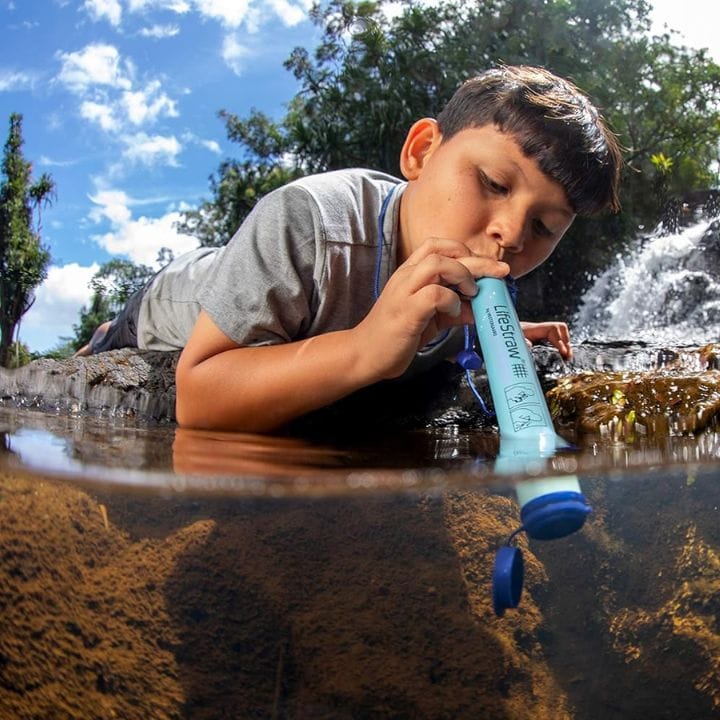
(626, 404)
(141, 385)
(117, 383)
(682, 633)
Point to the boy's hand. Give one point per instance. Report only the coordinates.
(556, 333)
(429, 292)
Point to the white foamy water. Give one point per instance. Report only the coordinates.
(656, 294)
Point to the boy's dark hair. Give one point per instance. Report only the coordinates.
(553, 122)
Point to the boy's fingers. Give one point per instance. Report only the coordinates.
(480, 265)
(556, 333)
(438, 246)
(439, 269)
(485, 266)
(439, 299)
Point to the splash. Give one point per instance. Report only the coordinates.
(666, 291)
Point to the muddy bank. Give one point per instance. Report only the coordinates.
(133, 606)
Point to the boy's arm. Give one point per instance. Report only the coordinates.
(256, 389)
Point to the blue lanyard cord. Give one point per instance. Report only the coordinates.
(381, 242)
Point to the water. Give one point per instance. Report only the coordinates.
(666, 291)
(156, 572)
(148, 571)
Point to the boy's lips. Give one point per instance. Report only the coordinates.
(495, 251)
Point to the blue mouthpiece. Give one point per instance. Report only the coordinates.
(554, 515)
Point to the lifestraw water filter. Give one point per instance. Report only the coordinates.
(550, 507)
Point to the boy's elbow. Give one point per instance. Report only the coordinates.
(195, 403)
(202, 400)
(186, 413)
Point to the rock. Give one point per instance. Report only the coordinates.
(624, 405)
(141, 384)
(126, 382)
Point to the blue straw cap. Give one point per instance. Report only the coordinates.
(507, 579)
(554, 515)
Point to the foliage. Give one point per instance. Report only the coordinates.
(117, 280)
(377, 69)
(97, 312)
(237, 188)
(18, 355)
(65, 348)
(23, 257)
(112, 286)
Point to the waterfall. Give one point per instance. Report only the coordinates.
(667, 290)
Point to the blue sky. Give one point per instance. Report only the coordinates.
(119, 99)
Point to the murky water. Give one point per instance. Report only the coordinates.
(151, 572)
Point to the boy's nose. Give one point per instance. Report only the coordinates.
(508, 233)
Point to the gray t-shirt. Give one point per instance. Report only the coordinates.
(302, 264)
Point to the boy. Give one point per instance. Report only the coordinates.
(340, 280)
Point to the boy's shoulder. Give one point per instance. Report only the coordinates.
(351, 182)
(342, 202)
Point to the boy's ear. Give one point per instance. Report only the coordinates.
(422, 139)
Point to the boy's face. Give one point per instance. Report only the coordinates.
(479, 188)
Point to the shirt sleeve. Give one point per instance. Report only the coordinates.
(262, 288)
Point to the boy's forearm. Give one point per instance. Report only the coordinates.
(258, 389)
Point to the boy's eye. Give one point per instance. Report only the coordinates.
(540, 229)
(493, 186)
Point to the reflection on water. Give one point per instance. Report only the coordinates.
(126, 453)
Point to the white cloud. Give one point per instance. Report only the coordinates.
(139, 239)
(142, 239)
(160, 31)
(290, 13)
(99, 9)
(46, 161)
(15, 80)
(111, 99)
(113, 205)
(100, 113)
(95, 64)
(177, 6)
(233, 53)
(151, 149)
(148, 104)
(211, 145)
(57, 305)
(229, 12)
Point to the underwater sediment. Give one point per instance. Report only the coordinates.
(135, 605)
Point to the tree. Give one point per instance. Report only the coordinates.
(373, 73)
(19, 355)
(112, 286)
(237, 188)
(23, 257)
